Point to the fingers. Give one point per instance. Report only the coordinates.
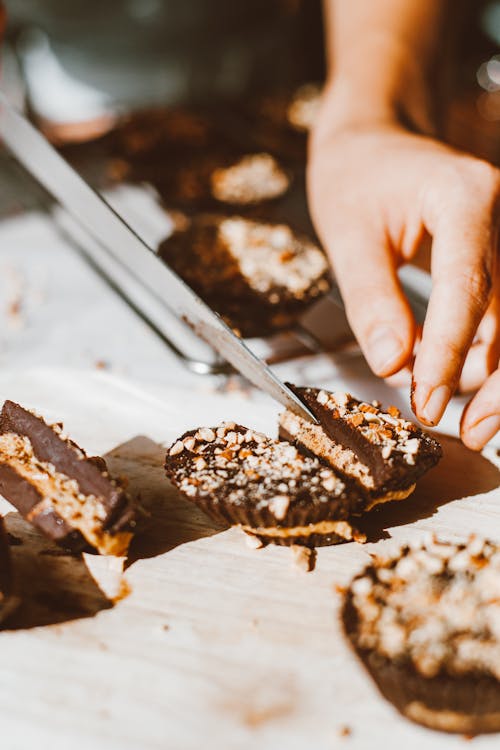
(464, 250)
(481, 418)
(484, 354)
(376, 307)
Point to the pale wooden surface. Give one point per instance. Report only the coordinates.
(203, 642)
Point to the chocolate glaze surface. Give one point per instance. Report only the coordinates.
(68, 459)
(259, 276)
(239, 476)
(395, 450)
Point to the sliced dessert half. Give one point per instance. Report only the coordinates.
(55, 486)
(380, 449)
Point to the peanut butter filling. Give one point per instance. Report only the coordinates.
(340, 528)
(314, 439)
(85, 513)
(391, 495)
(452, 721)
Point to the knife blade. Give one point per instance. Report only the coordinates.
(90, 209)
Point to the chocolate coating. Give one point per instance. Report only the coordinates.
(69, 460)
(348, 425)
(8, 597)
(238, 476)
(225, 259)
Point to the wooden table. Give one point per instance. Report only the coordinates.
(202, 642)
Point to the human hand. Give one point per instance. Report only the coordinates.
(376, 190)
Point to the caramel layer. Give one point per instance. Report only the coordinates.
(391, 495)
(341, 528)
(61, 493)
(452, 721)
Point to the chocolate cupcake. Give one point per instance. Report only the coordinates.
(426, 624)
(71, 498)
(260, 277)
(379, 449)
(241, 477)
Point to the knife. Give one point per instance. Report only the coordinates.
(105, 224)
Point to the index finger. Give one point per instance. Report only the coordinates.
(463, 259)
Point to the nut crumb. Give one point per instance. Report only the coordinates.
(303, 557)
(345, 731)
(253, 542)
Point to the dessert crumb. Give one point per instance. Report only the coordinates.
(253, 542)
(303, 557)
(345, 731)
(125, 589)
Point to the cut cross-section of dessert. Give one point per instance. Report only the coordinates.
(55, 486)
(426, 624)
(259, 276)
(380, 449)
(241, 477)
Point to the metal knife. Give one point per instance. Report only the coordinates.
(90, 210)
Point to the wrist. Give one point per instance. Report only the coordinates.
(378, 84)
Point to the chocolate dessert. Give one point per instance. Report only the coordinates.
(380, 449)
(267, 487)
(55, 486)
(260, 277)
(426, 624)
(9, 600)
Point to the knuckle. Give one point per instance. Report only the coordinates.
(489, 175)
(486, 178)
(468, 173)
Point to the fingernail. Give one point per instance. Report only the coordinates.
(384, 350)
(430, 403)
(480, 433)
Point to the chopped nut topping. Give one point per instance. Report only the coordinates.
(303, 557)
(279, 506)
(244, 466)
(437, 605)
(387, 429)
(177, 447)
(205, 434)
(254, 178)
